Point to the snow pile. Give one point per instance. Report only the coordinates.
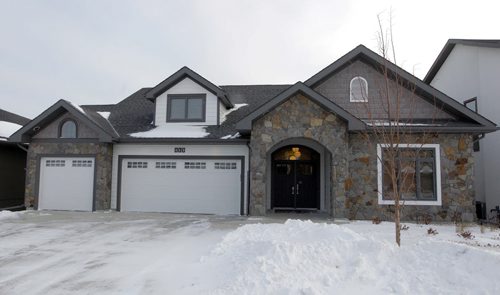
(7, 129)
(5, 215)
(302, 257)
(173, 131)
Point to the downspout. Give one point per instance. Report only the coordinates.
(248, 177)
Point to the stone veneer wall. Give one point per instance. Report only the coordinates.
(457, 182)
(298, 117)
(103, 153)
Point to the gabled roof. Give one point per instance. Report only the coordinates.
(424, 90)
(180, 75)
(93, 121)
(245, 124)
(13, 118)
(448, 48)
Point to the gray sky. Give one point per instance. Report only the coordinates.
(99, 52)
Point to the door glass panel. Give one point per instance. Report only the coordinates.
(283, 169)
(306, 169)
(295, 153)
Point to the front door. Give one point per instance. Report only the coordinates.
(295, 179)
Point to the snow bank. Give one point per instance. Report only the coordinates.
(5, 214)
(173, 131)
(8, 128)
(302, 257)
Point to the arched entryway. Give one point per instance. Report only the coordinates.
(295, 178)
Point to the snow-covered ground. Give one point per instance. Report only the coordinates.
(127, 253)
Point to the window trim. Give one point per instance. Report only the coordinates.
(351, 99)
(170, 97)
(437, 165)
(61, 124)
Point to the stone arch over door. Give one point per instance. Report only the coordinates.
(324, 169)
(295, 120)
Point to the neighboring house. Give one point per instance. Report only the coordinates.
(187, 145)
(12, 161)
(469, 71)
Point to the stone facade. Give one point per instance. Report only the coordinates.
(457, 180)
(298, 117)
(103, 153)
(353, 174)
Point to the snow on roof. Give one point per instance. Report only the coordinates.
(173, 131)
(7, 129)
(77, 107)
(105, 115)
(395, 123)
(233, 136)
(236, 107)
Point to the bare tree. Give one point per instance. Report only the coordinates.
(392, 128)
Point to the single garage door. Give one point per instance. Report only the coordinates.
(66, 183)
(212, 186)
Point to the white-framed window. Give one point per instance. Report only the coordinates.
(137, 164)
(166, 165)
(225, 165)
(418, 167)
(195, 165)
(81, 163)
(358, 89)
(55, 163)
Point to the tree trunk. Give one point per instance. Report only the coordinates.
(397, 222)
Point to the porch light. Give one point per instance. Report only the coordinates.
(295, 154)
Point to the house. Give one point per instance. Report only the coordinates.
(468, 71)
(187, 145)
(12, 161)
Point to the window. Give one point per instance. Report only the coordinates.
(471, 104)
(166, 165)
(137, 164)
(186, 107)
(67, 129)
(55, 163)
(81, 163)
(418, 174)
(358, 90)
(225, 166)
(195, 165)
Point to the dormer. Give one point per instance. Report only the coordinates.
(189, 99)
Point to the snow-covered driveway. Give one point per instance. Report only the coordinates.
(126, 253)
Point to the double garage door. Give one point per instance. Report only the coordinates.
(201, 185)
(181, 185)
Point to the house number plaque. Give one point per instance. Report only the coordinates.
(179, 150)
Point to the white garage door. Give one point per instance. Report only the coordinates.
(210, 186)
(66, 183)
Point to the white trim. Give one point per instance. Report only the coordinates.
(437, 155)
(363, 99)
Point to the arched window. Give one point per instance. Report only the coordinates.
(68, 129)
(359, 89)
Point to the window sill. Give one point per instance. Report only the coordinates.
(410, 202)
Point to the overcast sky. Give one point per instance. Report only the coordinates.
(99, 52)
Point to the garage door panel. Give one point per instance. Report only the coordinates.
(182, 186)
(66, 183)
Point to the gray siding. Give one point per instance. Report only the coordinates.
(336, 88)
(52, 130)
